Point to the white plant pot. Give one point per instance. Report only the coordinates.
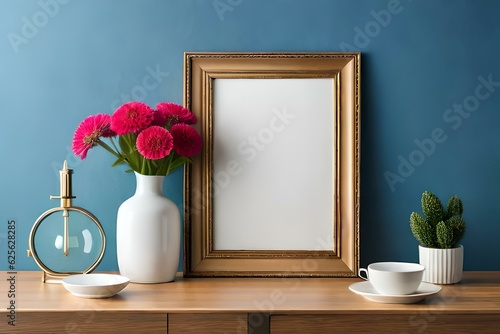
(442, 266)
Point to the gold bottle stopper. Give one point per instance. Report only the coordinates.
(65, 186)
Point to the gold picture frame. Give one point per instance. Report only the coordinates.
(251, 207)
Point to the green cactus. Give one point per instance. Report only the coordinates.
(441, 228)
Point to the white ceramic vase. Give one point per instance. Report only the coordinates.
(148, 233)
(442, 266)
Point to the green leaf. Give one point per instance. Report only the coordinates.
(119, 161)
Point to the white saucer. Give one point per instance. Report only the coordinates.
(366, 290)
(95, 285)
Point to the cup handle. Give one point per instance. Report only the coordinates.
(363, 270)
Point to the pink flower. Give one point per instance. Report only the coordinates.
(154, 142)
(159, 118)
(132, 117)
(89, 132)
(175, 113)
(187, 142)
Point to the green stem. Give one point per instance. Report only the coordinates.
(170, 158)
(114, 144)
(143, 167)
(109, 149)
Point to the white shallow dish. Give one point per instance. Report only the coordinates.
(366, 290)
(95, 285)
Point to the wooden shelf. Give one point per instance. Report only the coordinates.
(230, 305)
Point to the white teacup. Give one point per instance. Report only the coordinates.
(394, 278)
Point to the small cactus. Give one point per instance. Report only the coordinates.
(441, 228)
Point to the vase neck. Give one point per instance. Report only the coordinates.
(149, 184)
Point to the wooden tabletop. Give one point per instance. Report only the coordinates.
(477, 292)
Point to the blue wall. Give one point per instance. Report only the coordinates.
(430, 100)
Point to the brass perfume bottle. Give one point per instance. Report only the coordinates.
(66, 240)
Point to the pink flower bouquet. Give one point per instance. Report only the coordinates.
(150, 141)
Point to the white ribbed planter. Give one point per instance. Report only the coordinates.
(442, 266)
